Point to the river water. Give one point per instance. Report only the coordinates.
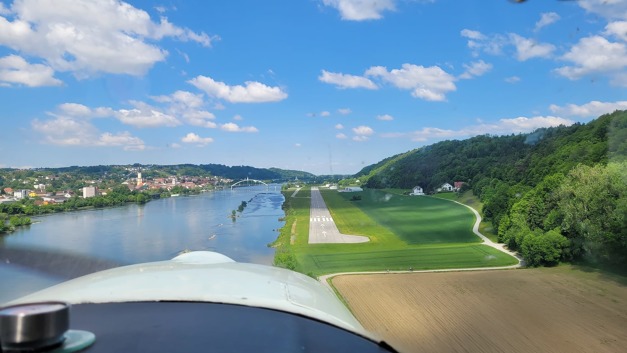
(158, 230)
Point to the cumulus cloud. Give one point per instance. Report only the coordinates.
(346, 81)
(512, 79)
(609, 9)
(188, 106)
(502, 126)
(475, 69)
(360, 10)
(67, 131)
(232, 127)
(341, 136)
(525, 48)
(591, 109)
(339, 126)
(385, 117)
(479, 42)
(144, 115)
(617, 29)
(528, 48)
(593, 55)
(15, 70)
(325, 113)
(193, 138)
(344, 111)
(546, 18)
(428, 83)
(363, 130)
(251, 92)
(90, 36)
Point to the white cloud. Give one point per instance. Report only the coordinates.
(189, 106)
(360, 138)
(200, 118)
(15, 70)
(238, 117)
(252, 92)
(591, 109)
(512, 79)
(594, 54)
(344, 111)
(385, 117)
(528, 48)
(359, 10)
(609, 9)
(475, 69)
(478, 42)
(90, 36)
(468, 33)
(66, 131)
(341, 136)
(195, 139)
(325, 113)
(232, 127)
(546, 18)
(339, 126)
(363, 130)
(297, 145)
(144, 115)
(428, 83)
(82, 111)
(617, 29)
(502, 126)
(346, 81)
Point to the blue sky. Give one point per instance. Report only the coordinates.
(324, 86)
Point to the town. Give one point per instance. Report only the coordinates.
(51, 186)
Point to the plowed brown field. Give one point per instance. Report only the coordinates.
(530, 310)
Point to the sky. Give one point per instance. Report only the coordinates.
(322, 86)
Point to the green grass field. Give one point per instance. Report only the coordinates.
(414, 219)
(405, 232)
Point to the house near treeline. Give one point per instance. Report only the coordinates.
(445, 187)
(416, 191)
(458, 185)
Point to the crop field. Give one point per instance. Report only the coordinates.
(532, 310)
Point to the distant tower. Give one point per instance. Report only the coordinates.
(139, 179)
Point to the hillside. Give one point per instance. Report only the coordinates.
(526, 182)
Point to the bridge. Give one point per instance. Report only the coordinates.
(247, 180)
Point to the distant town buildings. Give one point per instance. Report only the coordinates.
(89, 191)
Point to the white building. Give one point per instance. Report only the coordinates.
(446, 187)
(417, 190)
(352, 189)
(20, 194)
(89, 191)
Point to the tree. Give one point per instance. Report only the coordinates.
(593, 201)
(543, 249)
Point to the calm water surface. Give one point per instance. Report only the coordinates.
(158, 230)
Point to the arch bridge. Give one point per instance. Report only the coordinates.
(249, 180)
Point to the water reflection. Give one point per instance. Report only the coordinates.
(161, 229)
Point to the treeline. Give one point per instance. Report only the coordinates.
(555, 194)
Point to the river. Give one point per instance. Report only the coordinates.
(158, 230)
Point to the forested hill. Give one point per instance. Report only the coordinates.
(565, 186)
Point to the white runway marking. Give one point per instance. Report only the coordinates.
(322, 228)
